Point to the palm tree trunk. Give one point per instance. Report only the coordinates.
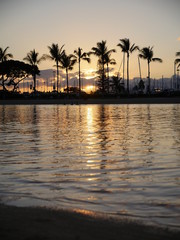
(139, 68)
(128, 73)
(108, 76)
(34, 79)
(149, 80)
(57, 76)
(123, 65)
(103, 77)
(174, 82)
(67, 81)
(79, 77)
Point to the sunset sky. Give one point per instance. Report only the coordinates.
(29, 24)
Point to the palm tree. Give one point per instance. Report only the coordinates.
(55, 54)
(127, 48)
(176, 61)
(33, 60)
(147, 53)
(4, 56)
(80, 55)
(111, 61)
(101, 51)
(117, 86)
(67, 62)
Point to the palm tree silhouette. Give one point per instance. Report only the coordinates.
(111, 61)
(127, 48)
(176, 61)
(67, 62)
(55, 54)
(4, 56)
(101, 51)
(147, 53)
(33, 60)
(80, 55)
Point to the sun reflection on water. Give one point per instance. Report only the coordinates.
(99, 157)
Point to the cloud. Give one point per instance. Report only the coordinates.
(178, 39)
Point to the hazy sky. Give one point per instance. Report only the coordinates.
(29, 24)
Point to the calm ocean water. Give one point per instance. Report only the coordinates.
(122, 160)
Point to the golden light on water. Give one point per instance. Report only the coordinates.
(89, 118)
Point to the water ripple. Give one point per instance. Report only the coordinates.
(123, 160)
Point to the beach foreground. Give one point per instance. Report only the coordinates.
(41, 223)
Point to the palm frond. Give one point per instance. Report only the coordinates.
(67, 61)
(146, 53)
(32, 58)
(87, 59)
(142, 56)
(4, 56)
(123, 49)
(177, 60)
(157, 60)
(134, 48)
(47, 56)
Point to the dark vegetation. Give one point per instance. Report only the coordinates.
(13, 72)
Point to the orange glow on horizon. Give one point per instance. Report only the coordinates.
(90, 73)
(89, 89)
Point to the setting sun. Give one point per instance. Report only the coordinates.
(89, 89)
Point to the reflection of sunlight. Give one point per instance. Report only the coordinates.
(85, 212)
(89, 118)
(90, 138)
(90, 161)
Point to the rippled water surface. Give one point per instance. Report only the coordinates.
(118, 159)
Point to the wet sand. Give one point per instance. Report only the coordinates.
(42, 223)
(150, 100)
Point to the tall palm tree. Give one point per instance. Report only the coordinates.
(67, 62)
(4, 56)
(80, 55)
(33, 60)
(147, 54)
(127, 48)
(55, 54)
(101, 51)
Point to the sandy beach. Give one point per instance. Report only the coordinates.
(150, 100)
(42, 223)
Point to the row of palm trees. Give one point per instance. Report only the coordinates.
(64, 61)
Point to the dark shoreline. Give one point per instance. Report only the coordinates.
(43, 223)
(143, 100)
